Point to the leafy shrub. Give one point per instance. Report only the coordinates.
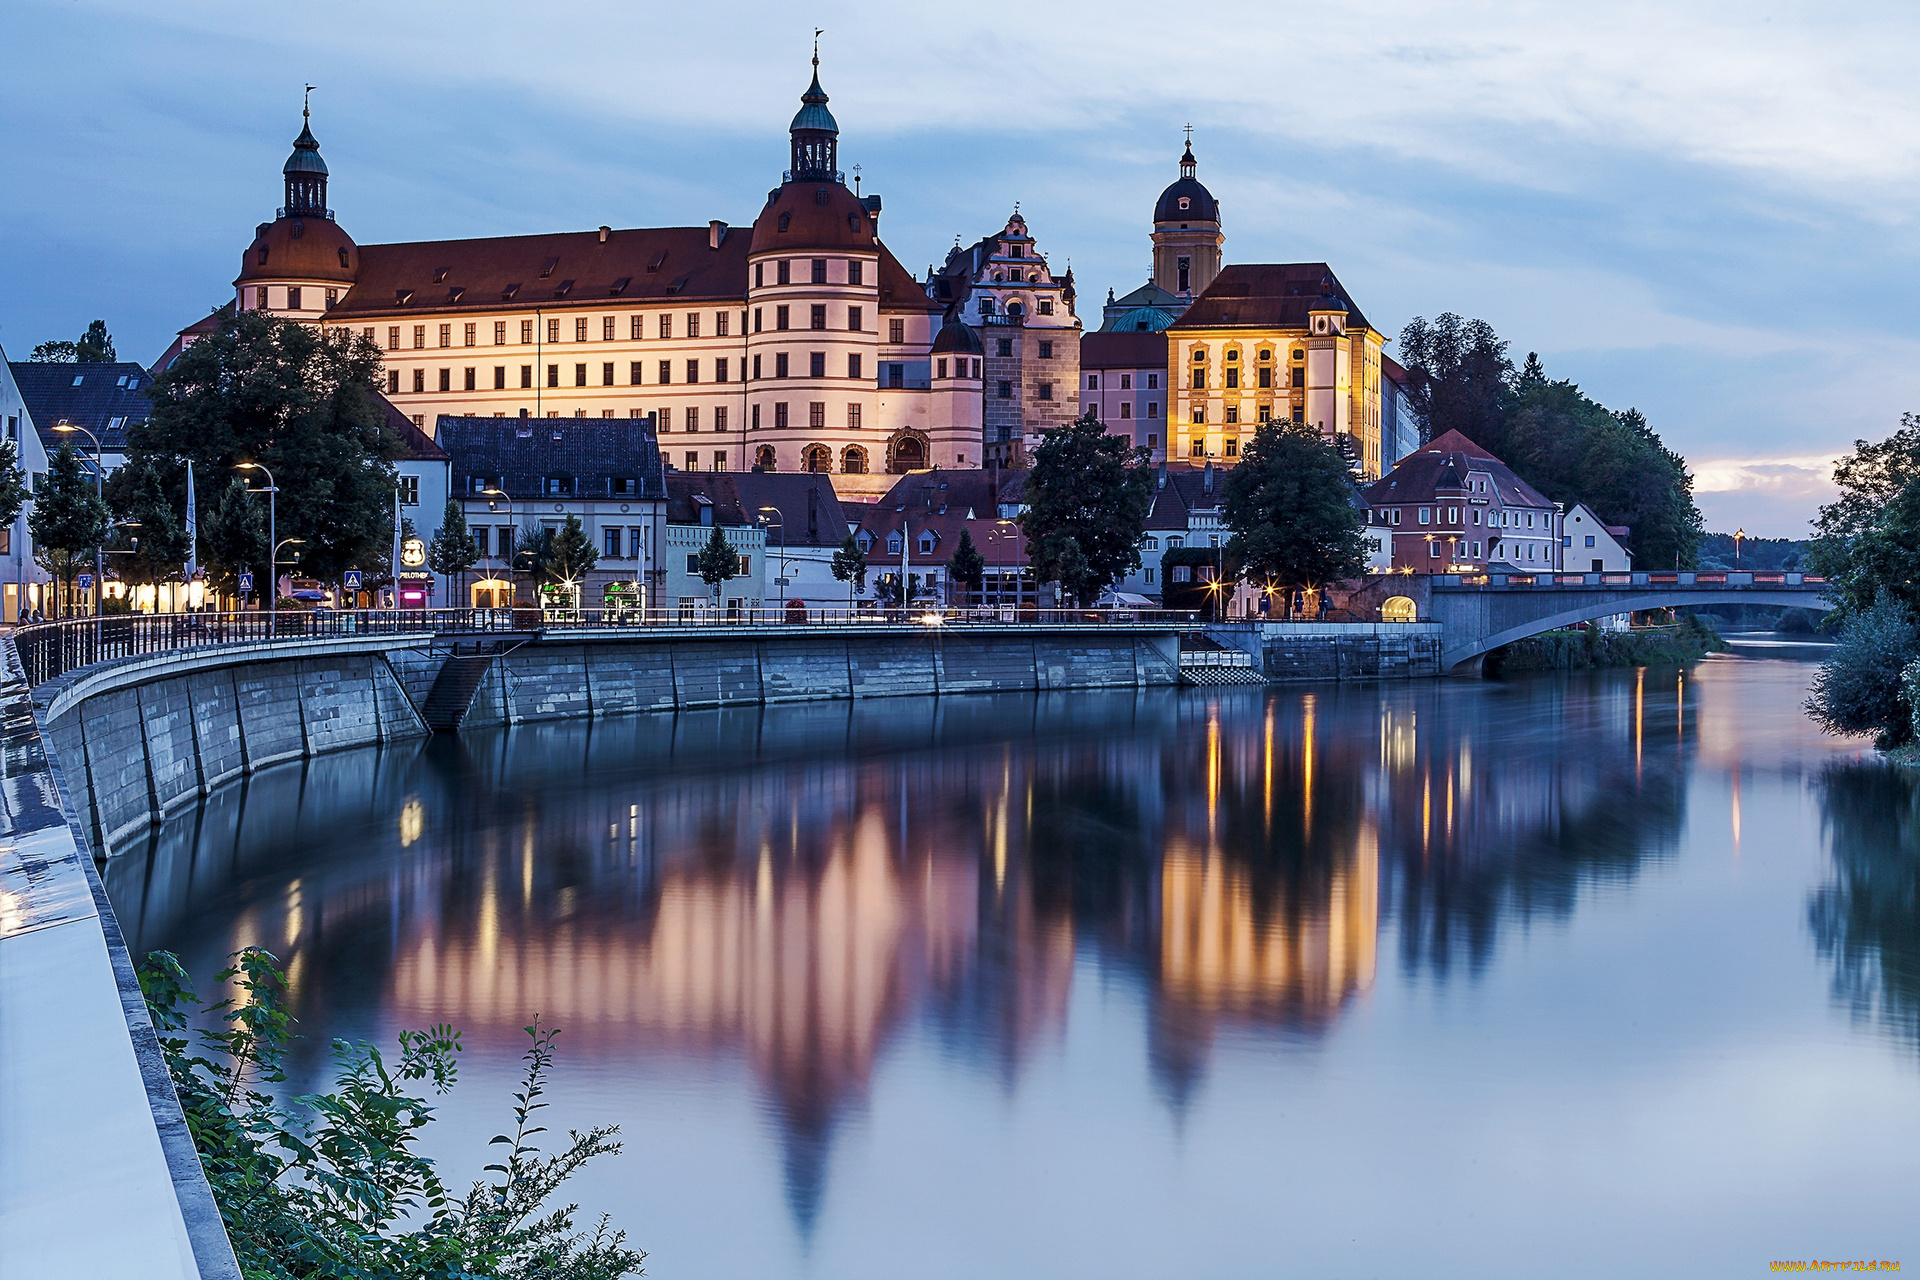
(330, 1184)
(1859, 689)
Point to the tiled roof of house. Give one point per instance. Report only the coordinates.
(1443, 465)
(807, 511)
(105, 398)
(522, 454)
(419, 446)
(1266, 296)
(946, 502)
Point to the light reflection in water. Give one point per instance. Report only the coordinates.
(794, 889)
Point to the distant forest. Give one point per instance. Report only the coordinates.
(1716, 552)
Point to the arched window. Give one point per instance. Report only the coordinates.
(1399, 609)
(1016, 308)
(909, 454)
(818, 458)
(853, 460)
(763, 457)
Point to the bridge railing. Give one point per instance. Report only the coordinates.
(1636, 578)
(51, 649)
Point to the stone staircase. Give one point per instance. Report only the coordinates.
(1208, 662)
(452, 692)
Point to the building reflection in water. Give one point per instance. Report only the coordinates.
(794, 887)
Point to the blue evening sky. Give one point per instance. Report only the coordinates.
(1700, 209)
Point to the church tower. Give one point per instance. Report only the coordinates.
(1186, 234)
(302, 263)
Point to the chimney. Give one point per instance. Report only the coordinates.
(716, 232)
(604, 233)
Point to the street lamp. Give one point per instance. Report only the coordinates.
(512, 537)
(1739, 536)
(780, 579)
(99, 469)
(273, 494)
(1002, 531)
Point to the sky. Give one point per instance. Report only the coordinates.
(1700, 210)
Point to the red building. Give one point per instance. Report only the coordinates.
(1452, 507)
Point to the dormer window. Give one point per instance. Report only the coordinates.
(440, 275)
(546, 268)
(893, 544)
(865, 541)
(1186, 202)
(926, 544)
(785, 218)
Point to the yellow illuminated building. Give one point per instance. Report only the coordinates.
(1272, 340)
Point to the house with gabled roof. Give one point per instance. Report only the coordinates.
(1453, 507)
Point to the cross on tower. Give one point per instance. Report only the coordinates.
(1189, 132)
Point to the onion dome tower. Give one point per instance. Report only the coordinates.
(302, 262)
(1186, 233)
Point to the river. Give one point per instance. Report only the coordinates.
(1560, 974)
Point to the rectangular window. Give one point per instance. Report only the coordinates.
(610, 542)
(1433, 547)
(666, 372)
(817, 414)
(854, 318)
(817, 364)
(393, 382)
(579, 328)
(636, 327)
(606, 374)
(1005, 348)
(693, 371)
(1153, 408)
(419, 381)
(753, 417)
(693, 324)
(855, 270)
(896, 376)
(553, 375)
(1200, 415)
(469, 380)
(1233, 413)
(1266, 377)
(779, 413)
(469, 334)
(780, 317)
(1046, 306)
(499, 333)
(553, 331)
(720, 419)
(783, 272)
(720, 325)
(1046, 391)
(896, 331)
(756, 367)
(1153, 382)
(1126, 408)
(1046, 350)
(633, 373)
(526, 331)
(693, 418)
(1093, 382)
(1299, 413)
(580, 375)
(393, 337)
(853, 365)
(409, 491)
(1299, 377)
(818, 318)
(1006, 389)
(1233, 379)
(819, 270)
(720, 369)
(1199, 379)
(780, 364)
(526, 375)
(759, 275)
(419, 336)
(720, 464)
(757, 318)
(666, 418)
(499, 377)
(853, 417)
(606, 328)
(666, 326)
(693, 460)
(293, 298)
(1589, 539)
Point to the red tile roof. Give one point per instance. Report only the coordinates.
(1442, 466)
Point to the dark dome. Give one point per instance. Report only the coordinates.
(956, 335)
(813, 215)
(307, 248)
(1200, 206)
(306, 154)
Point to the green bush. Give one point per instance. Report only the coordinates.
(330, 1184)
(1860, 689)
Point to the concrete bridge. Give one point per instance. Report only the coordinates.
(1478, 614)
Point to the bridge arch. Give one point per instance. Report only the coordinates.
(1464, 643)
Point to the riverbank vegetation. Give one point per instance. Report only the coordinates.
(1867, 544)
(332, 1184)
(1689, 640)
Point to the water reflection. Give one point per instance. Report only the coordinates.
(1866, 920)
(792, 888)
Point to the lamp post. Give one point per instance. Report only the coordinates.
(780, 579)
(1002, 531)
(273, 514)
(1739, 536)
(99, 470)
(512, 537)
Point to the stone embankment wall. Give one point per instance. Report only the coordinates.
(1337, 650)
(554, 680)
(140, 738)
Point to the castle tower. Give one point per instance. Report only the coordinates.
(302, 263)
(1186, 234)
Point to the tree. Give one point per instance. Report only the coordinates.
(234, 538)
(1088, 496)
(1291, 506)
(308, 406)
(69, 520)
(453, 550)
(967, 566)
(333, 1184)
(56, 352)
(717, 562)
(1859, 689)
(158, 545)
(1867, 541)
(95, 345)
(14, 492)
(1462, 379)
(571, 556)
(850, 567)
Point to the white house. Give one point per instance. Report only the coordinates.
(25, 580)
(1589, 545)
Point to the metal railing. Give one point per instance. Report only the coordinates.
(52, 649)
